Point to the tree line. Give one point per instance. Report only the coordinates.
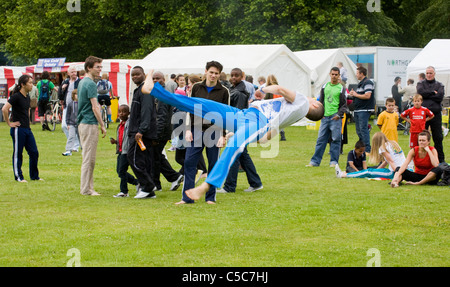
(32, 29)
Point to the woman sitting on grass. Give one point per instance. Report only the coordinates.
(426, 163)
(383, 150)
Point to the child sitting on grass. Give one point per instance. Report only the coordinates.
(382, 150)
(121, 149)
(356, 159)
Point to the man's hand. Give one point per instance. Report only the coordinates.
(336, 118)
(14, 124)
(138, 137)
(221, 142)
(188, 136)
(103, 131)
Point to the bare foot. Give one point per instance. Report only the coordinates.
(210, 202)
(197, 192)
(180, 202)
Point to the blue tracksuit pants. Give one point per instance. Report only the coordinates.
(248, 125)
(24, 138)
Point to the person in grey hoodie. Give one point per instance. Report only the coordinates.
(73, 139)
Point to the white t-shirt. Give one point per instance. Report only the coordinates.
(280, 112)
(397, 156)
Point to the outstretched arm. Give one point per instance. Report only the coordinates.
(289, 95)
(147, 87)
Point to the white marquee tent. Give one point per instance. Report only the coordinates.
(321, 61)
(437, 54)
(254, 60)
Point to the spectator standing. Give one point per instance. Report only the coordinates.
(163, 132)
(395, 91)
(73, 141)
(65, 98)
(105, 93)
(34, 95)
(211, 89)
(88, 119)
(142, 130)
(239, 98)
(433, 93)
(45, 88)
(408, 92)
(364, 105)
(332, 97)
(20, 131)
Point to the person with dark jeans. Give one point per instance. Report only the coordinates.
(163, 132)
(239, 98)
(432, 93)
(364, 102)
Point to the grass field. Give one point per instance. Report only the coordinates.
(302, 217)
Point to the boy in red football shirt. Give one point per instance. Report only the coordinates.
(416, 116)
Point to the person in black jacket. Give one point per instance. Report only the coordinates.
(164, 131)
(396, 94)
(432, 93)
(142, 128)
(239, 97)
(200, 135)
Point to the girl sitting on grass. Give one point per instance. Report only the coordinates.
(383, 150)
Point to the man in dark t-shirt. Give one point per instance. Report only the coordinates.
(21, 133)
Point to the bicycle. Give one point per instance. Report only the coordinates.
(104, 113)
(53, 114)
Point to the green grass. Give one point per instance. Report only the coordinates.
(302, 217)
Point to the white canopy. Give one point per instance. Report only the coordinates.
(254, 60)
(437, 54)
(321, 61)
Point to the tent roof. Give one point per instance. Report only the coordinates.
(192, 59)
(436, 54)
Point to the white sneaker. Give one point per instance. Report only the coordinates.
(176, 184)
(67, 153)
(121, 194)
(338, 171)
(142, 195)
(252, 189)
(221, 190)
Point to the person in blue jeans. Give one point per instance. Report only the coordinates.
(332, 97)
(364, 102)
(21, 134)
(260, 122)
(204, 135)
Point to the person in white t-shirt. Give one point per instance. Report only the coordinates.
(260, 122)
(383, 150)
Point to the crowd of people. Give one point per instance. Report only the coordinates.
(209, 112)
(422, 163)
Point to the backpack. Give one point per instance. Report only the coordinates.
(102, 87)
(44, 93)
(445, 177)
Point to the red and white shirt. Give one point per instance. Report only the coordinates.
(418, 118)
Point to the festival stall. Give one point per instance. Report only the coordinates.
(254, 60)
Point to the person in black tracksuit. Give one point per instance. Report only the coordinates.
(432, 93)
(142, 126)
(164, 131)
(20, 131)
